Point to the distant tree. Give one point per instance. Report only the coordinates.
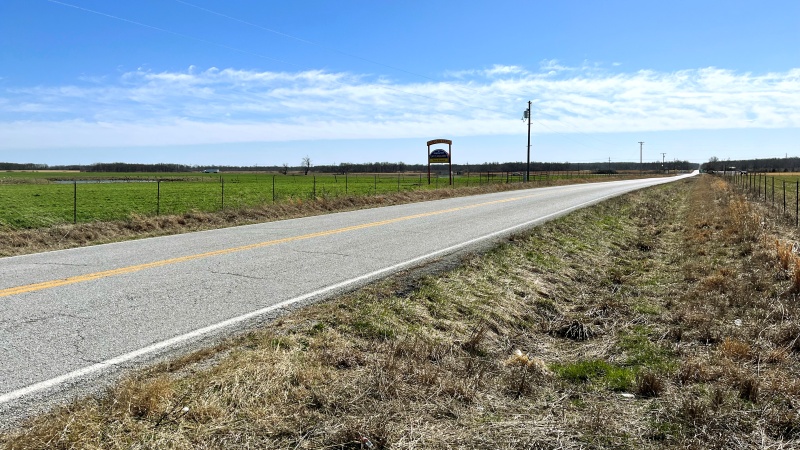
(713, 164)
(284, 169)
(306, 164)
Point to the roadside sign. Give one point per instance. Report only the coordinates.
(439, 156)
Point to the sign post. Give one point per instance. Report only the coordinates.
(441, 156)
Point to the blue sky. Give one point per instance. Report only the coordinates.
(257, 82)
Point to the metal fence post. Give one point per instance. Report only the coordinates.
(796, 200)
(314, 187)
(758, 186)
(222, 183)
(74, 201)
(158, 197)
(273, 189)
(784, 197)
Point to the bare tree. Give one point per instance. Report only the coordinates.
(284, 169)
(713, 164)
(306, 164)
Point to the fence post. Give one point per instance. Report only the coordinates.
(74, 201)
(784, 197)
(398, 182)
(773, 191)
(222, 183)
(375, 185)
(758, 187)
(158, 197)
(765, 188)
(796, 200)
(314, 187)
(273, 189)
(345, 183)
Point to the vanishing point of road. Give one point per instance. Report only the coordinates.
(75, 318)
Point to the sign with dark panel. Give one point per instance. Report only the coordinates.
(439, 156)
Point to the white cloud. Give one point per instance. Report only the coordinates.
(215, 105)
(552, 66)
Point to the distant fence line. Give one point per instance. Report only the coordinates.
(84, 200)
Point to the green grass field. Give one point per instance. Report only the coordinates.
(40, 199)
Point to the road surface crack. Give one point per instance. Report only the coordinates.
(309, 252)
(60, 264)
(237, 275)
(79, 352)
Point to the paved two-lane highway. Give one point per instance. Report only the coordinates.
(69, 317)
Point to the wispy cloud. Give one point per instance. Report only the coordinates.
(146, 107)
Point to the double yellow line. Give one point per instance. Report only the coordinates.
(139, 267)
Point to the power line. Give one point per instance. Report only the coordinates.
(309, 42)
(305, 41)
(185, 36)
(455, 101)
(228, 47)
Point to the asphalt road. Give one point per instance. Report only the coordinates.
(75, 318)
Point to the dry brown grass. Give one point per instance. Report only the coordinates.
(474, 358)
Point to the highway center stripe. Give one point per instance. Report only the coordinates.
(139, 267)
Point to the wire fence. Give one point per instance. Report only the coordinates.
(782, 192)
(39, 204)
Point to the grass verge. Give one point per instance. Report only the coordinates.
(661, 319)
(18, 241)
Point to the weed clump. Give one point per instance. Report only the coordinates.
(524, 369)
(649, 384)
(576, 331)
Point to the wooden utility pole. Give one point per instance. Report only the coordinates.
(527, 114)
(641, 169)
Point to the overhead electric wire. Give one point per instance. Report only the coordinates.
(306, 41)
(205, 41)
(163, 30)
(239, 50)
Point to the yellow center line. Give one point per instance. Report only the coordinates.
(139, 267)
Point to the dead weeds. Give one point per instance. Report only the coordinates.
(655, 320)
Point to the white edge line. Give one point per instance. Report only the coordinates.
(121, 359)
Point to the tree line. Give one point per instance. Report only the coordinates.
(715, 164)
(306, 166)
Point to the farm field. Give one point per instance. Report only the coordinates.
(661, 319)
(30, 200)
